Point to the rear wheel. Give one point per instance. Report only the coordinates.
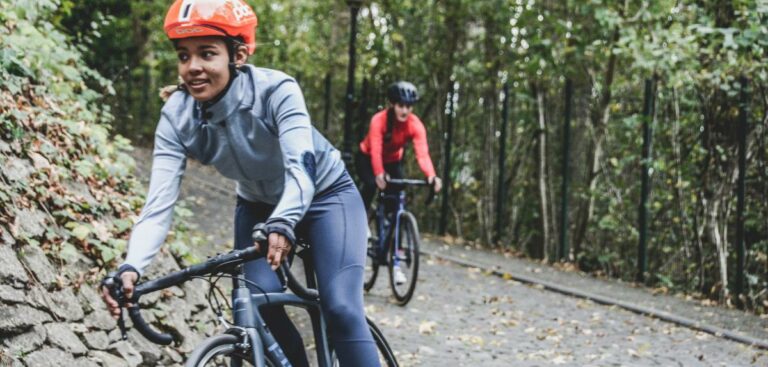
(405, 253)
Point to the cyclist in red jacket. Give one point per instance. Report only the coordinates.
(381, 152)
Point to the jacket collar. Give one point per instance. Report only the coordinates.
(219, 110)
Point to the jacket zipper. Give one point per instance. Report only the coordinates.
(232, 150)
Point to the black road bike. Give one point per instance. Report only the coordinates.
(395, 240)
(247, 340)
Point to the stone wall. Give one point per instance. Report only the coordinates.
(45, 320)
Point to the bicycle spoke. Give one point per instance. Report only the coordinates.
(404, 260)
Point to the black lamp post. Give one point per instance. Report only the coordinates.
(354, 7)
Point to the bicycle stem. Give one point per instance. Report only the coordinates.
(121, 325)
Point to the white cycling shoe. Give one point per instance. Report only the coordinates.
(399, 276)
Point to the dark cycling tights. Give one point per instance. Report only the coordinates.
(333, 227)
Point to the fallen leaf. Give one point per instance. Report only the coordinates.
(559, 360)
(427, 327)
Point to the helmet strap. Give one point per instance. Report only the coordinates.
(232, 45)
(232, 75)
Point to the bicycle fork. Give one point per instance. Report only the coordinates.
(391, 231)
(254, 327)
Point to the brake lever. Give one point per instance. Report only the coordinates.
(432, 194)
(121, 325)
(259, 235)
(115, 286)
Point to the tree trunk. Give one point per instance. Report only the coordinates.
(718, 239)
(491, 100)
(542, 177)
(597, 130)
(552, 248)
(680, 193)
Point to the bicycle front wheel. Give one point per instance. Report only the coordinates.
(221, 351)
(404, 254)
(386, 356)
(371, 260)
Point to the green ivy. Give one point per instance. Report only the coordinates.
(55, 123)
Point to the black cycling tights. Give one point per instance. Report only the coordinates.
(334, 227)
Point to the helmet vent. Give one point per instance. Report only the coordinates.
(187, 5)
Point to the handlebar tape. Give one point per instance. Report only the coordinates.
(144, 329)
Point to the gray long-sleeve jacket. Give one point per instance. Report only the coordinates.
(258, 134)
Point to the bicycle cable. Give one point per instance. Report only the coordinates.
(212, 296)
(226, 275)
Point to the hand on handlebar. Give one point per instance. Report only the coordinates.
(278, 244)
(279, 248)
(128, 279)
(436, 183)
(381, 181)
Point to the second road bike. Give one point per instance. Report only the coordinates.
(395, 240)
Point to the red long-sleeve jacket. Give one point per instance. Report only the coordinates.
(392, 151)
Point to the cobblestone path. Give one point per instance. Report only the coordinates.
(465, 317)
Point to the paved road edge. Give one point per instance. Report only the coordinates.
(661, 315)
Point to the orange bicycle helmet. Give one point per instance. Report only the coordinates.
(197, 18)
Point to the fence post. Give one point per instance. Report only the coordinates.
(144, 109)
(741, 188)
(648, 112)
(447, 168)
(502, 157)
(327, 96)
(564, 250)
(129, 118)
(354, 7)
(362, 111)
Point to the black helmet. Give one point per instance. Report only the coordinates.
(402, 92)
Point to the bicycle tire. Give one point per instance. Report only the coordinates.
(409, 241)
(218, 350)
(371, 270)
(382, 345)
(385, 351)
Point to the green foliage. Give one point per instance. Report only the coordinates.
(66, 185)
(697, 51)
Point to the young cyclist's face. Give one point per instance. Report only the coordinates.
(402, 111)
(203, 65)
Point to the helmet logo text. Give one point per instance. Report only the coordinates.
(186, 7)
(188, 30)
(241, 10)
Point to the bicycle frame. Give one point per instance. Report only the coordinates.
(250, 324)
(248, 328)
(393, 229)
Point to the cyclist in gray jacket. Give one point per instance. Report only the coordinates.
(252, 125)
